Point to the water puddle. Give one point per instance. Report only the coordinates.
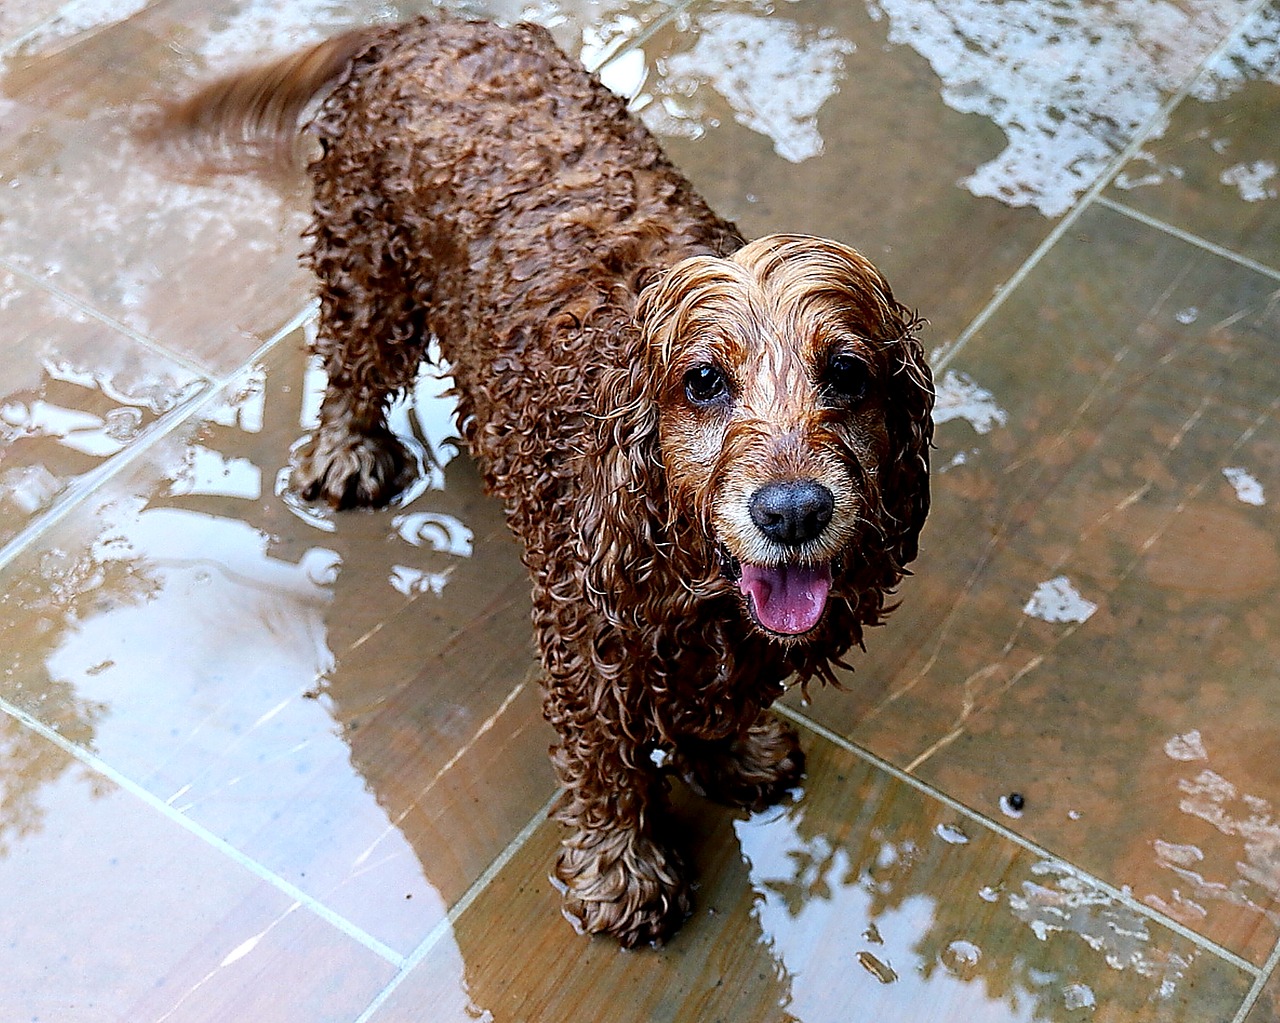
(192, 631)
(1244, 872)
(879, 904)
(774, 74)
(79, 396)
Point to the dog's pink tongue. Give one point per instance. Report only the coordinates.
(788, 599)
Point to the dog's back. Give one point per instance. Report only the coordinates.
(511, 200)
(475, 184)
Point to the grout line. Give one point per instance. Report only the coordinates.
(445, 926)
(1187, 236)
(81, 305)
(82, 489)
(287, 888)
(1124, 898)
(1269, 971)
(1094, 192)
(92, 482)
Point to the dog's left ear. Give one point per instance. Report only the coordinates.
(910, 419)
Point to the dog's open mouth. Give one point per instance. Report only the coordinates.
(787, 600)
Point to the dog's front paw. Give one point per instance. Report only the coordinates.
(753, 771)
(351, 469)
(622, 884)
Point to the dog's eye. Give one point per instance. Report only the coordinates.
(705, 384)
(846, 378)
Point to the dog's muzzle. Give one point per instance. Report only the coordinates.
(790, 597)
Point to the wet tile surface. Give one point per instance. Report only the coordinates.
(864, 893)
(85, 204)
(349, 702)
(940, 139)
(20, 16)
(1215, 170)
(315, 711)
(77, 854)
(75, 394)
(1267, 1008)
(1099, 577)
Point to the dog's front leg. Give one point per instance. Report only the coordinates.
(616, 872)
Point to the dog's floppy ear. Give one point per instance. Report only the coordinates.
(622, 500)
(910, 419)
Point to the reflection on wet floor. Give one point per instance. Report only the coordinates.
(259, 761)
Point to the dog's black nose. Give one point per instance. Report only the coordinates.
(792, 511)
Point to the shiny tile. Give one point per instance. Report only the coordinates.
(20, 16)
(348, 699)
(206, 265)
(1267, 1008)
(1214, 169)
(1090, 623)
(74, 394)
(942, 139)
(864, 893)
(113, 912)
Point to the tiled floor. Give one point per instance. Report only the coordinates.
(259, 762)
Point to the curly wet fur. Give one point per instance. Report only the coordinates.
(476, 185)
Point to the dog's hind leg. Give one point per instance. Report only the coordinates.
(752, 771)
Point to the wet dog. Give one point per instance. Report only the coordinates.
(714, 452)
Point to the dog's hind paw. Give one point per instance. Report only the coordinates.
(348, 470)
(623, 885)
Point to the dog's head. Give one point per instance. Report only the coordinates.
(791, 405)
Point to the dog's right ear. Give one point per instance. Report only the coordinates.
(622, 502)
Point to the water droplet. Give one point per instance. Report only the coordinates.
(442, 533)
(1078, 996)
(952, 834)
(1057, 600)
(1008, 808)
(961, 958)
(122, 424)
(1186, 747)
(882, 971)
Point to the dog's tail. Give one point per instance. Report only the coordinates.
(251, 119)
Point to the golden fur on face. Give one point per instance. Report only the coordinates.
(766, 326)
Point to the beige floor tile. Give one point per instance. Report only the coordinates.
(324, 692)
(941, 140)
(863, 901)
(206, 265)
(113, 912)
(1267, 1008)
(74, 394)
(1213, 170)
(20, 16)
(1090, 624)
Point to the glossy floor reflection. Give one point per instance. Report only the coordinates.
(260, 762)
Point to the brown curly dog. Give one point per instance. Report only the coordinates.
(715, 453)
